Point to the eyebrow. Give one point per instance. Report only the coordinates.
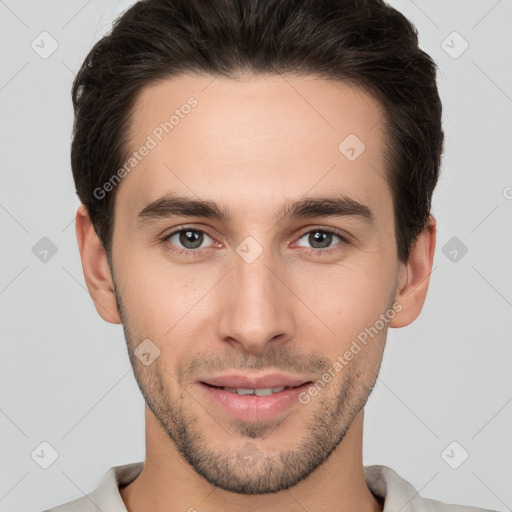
(179, 206)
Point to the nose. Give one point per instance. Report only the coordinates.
(256, 306)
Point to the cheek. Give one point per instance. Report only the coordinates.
(163, 299)
(347, 297)
(349, 301)
(167, 300)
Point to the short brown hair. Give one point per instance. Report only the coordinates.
(363, 42)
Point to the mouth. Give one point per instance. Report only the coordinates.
(257, 391)
(253, 404)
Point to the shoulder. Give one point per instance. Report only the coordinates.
(399, 494)
(83, 504)
(439, 506)
(106, 497)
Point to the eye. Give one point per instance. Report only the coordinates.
(187, 240)
(321, 239)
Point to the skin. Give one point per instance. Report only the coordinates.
(251, 145)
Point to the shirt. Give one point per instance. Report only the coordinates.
(383, 482)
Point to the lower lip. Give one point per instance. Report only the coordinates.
(253, 407)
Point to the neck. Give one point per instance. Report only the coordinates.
(167, 483)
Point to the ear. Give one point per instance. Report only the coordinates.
(95, 267)
(414, 277)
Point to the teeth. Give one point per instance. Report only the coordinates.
(257, 392)
(242, 391)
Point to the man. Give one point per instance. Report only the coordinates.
(256, 180)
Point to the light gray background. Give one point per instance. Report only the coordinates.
(66, 377)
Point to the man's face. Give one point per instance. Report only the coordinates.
(254, 294)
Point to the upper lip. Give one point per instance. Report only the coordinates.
(247, 381)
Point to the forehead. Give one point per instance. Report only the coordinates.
(267, 137)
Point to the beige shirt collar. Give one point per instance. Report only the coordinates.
(398, 494)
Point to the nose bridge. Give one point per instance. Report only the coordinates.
(255, 307)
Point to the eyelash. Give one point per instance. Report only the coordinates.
(199, 252)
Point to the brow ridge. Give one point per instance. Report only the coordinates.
(332, 206)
